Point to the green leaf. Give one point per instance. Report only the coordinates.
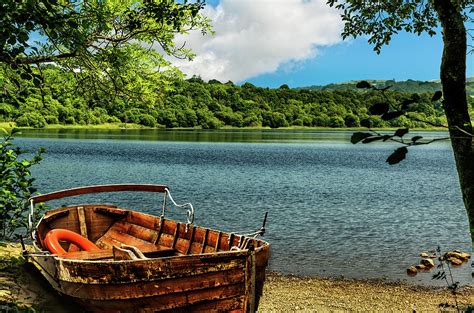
(397, 156)
(372, 139)
(37, 81)
(16, 82)
(359, 136)
(363, 84)
(29, 25)
(437, 95)
(401, 132)
(25, 76)
(379, 108)
(11, 40)
(406, 104)
(391, 115)
(23, 37)
(72, 24)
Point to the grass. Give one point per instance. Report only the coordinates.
(9, 125)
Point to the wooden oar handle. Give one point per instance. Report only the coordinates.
(97, 189)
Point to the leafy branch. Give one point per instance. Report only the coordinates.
(388, 111)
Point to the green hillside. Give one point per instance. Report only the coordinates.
(59, 99)
(412, 86)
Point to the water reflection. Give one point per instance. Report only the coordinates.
(224, 135)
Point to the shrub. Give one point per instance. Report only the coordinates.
(51, 119)
(17, 187)
(298, 122)
(212, 123)
(147, 120)
(113, 119)
(132, 116)
(321, 120)
(6, 111)
(168, 118)
(336, 121)
(372, 121)
(94, 120)
(252, 120)
(207, 120)
(190, 118)
(274, 120)
(31, 119)
(70, 120)
(351, 120)
(307, 120)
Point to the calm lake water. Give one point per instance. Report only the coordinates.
(335, 209)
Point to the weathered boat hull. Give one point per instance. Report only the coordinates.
(186, 268)
(189, 283)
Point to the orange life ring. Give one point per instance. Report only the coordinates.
(52, 238)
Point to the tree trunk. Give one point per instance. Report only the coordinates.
(453, 80)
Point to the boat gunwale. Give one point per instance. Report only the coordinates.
(206, 255)
(60, 210)
(84, 190)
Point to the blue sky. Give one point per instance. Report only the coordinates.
(407, 57)
(297, 42)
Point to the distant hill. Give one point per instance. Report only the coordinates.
(410, 86)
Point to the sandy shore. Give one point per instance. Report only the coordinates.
(296, 294)
(22, 284)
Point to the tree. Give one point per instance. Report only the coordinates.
(102, 42)
(108, 47)
(382, 19)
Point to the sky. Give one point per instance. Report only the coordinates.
(297, 42)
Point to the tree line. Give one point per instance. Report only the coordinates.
(408, 85)
(58, 98)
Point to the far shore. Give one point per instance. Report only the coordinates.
(122, 126)
(21, 286)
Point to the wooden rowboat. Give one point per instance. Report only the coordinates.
(146, 263)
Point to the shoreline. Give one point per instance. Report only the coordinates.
(289, 293)
(124, 126)
(22, 286)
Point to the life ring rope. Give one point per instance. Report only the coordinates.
(52, 238)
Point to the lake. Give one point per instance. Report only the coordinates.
(335, 209)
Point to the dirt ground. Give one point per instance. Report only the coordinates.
(22, 286)
(296, 294)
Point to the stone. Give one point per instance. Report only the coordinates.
(429, 263)
(412, 271)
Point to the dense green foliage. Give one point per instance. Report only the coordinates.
(193, 103)
(85, 62)
(410, 85)
(105, 49)
(93, 35)
(17, 186)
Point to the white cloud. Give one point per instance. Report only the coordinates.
(254, 37)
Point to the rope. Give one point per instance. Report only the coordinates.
(255, 234)
(189, 213)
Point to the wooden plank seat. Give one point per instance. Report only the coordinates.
(149, 250)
